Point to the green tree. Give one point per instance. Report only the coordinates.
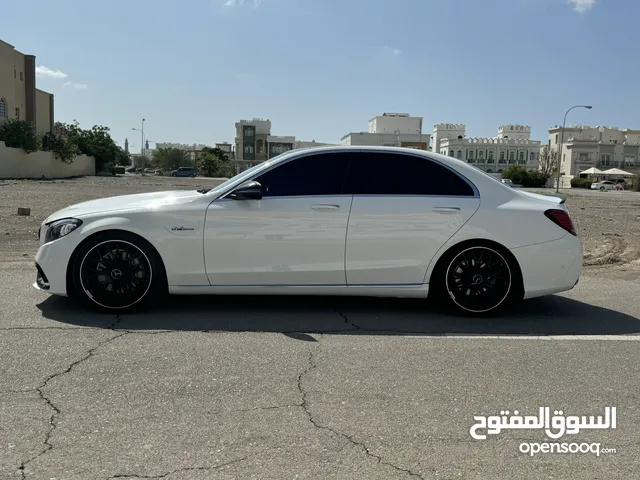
(168, 159)
(96, 143)
(61, 144)
(214, 162)
(17, 133)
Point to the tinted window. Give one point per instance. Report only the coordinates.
(398, 174)
(321, 174)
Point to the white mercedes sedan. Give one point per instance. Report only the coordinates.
(361, 221)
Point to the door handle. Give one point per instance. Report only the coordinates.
(325, 207)
(446, 209)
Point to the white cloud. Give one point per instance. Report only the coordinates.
(393, 51)
(582, 6)
(77, 86)
(236, 3)
(43, 71)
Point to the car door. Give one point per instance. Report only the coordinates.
(405, 207)
(294, 235)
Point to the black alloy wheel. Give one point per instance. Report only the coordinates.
(117, 271)
(478, 280)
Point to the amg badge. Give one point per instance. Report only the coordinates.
(181, 229)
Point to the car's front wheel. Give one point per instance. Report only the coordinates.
(477, 280)
(118, 271)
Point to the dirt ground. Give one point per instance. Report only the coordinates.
(608, 226)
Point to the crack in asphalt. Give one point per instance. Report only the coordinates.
(186, 469)
(56, 410)
(311, 365)
(347, 321)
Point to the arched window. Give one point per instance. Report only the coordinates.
(502, 157)
(260, 146)
(521, 157)
(470, 155)
(532, 156)
(452, 153)
(491, 157)
(481, 155)
(3, 108)
(512, 156)
(459, 156)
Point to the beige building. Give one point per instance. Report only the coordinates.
(584, 147)
(19, 97)
(393, 130)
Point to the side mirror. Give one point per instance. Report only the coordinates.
(250, 190)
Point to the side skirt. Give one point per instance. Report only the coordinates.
(393, 291)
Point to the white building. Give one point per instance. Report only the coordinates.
(311, 144)
(584, 147)
(513, 145)
(393, 130)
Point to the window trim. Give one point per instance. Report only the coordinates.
(297, 154)
(476, 192)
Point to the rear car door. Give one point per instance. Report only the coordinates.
(405, 207)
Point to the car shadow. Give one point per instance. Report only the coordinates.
(297, 315)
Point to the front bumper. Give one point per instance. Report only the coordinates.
(51, 267)
(550, 267)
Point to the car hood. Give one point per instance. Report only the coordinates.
(123, 203)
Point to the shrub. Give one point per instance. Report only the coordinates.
(17, 133)
(581, 183)
(527, 178)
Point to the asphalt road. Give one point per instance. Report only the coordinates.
(300, 388)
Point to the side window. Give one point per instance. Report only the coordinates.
(320, 174)
(397, 174)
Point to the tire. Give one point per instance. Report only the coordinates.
(602, 189)
(476, 280)
(101, 277)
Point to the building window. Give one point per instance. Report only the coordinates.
(512, 156)
(17, 112)
(501, 157)
(521, 157)
(584, 157)
(532, 156)
(629, 161)
(248, 149)
(490, 157)
(20, 76)
(470, 154)
(260, 146)
(459, 156)
(481, 155)
(605, 159)
(451, 153)
(3, 108)
(556, 138)
(15, 73)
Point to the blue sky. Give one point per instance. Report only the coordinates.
(321, 68)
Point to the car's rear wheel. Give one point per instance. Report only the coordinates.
(602, 189)
(117, 271)
(477, 280)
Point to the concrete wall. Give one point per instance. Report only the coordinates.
(14, 163)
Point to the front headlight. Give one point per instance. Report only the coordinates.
(60, 228)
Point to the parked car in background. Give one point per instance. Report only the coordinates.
(602, 186)
(149, 170)
(184, 172)
(507, 181)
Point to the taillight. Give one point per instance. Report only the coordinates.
(562, 219)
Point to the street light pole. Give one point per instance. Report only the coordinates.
(142, 138)
(589, 107)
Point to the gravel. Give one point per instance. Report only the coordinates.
(609, 227)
